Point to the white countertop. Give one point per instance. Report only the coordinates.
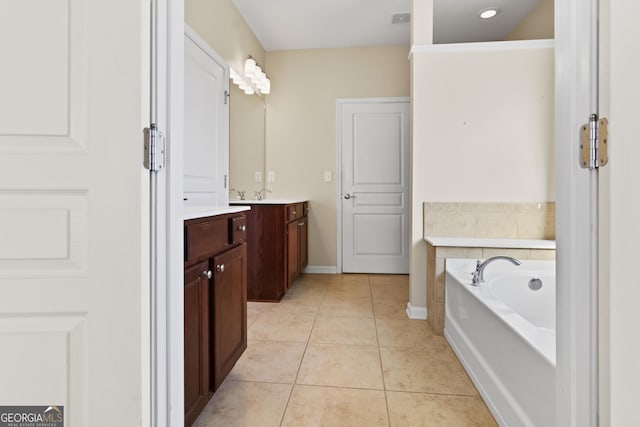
(267, 201)
(472, 242)
(192, 212)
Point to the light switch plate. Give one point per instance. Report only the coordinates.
(258, 176)
(271, 176)
(327, 176)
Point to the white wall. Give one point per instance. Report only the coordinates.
(482, 129)
(301, 124)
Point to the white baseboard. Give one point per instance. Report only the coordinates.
(321, 269)
(416, 312)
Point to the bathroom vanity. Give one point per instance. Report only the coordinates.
(277, 233)
(215, 301)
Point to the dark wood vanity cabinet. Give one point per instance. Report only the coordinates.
(277, 248)
(196, 340)
(215, 305)
(228, 312)
(296, 249)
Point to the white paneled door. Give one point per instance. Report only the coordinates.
(74, 98)
(374, 143)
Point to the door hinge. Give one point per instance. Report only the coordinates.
(154, 149)
(226, 96)
(593, 143)
(225, 181)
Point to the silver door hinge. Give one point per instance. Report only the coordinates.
(226, 96)
(154, 149)
(593, 143)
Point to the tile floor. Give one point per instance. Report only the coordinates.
(340, 351)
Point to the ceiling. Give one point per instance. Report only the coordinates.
(309, 24)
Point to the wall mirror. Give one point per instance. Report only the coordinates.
(246, 143)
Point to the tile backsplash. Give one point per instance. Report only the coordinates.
(490, 220)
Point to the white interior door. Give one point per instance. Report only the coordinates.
(206, 124)
(374, 139)
(576, 55)
(74, 208)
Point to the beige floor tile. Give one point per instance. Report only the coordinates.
(282, 327)
(344, 330)
(347, 307)
(418, 409)
(409, 333)
(309, 287)
(269, 361)
(389, 279)
(245, 404)
(434, 370)
(251, 317)
(334, 407)
(254, 308)
(341, 366)
(298, 303)
(353, 278)
(390, 291)
(349, 289)
(393, 308)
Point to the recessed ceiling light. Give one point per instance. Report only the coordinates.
(488, 13)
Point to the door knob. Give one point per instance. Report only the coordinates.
(220, 268)
(242, 228)
(207, 274)
(349, 196)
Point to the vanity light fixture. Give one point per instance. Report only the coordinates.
(242, 83)
(254, 81)
(488, 13)
(257, 76)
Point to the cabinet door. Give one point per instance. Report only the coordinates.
(293, 253)
(229, 311)
(196, 340)
(303, 229)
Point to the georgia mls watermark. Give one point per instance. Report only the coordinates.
(31, 416)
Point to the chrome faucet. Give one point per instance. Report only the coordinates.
(478, 274)
(261, 193)
(240, 193)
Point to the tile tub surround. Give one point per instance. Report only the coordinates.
(490, 220)
(360, 363)
(481, 230)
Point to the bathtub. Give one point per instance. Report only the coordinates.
(505, 336)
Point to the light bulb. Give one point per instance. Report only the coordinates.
(250, 67)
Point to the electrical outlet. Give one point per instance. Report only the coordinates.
(258, 176)
(327, 176)
(271, 176)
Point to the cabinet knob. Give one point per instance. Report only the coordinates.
(300, 224)
(242, 228)
(207, 274)
(293, 213)
(220, 268)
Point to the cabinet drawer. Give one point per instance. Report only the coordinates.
(237, 230)
(295, 211)
(205, 238)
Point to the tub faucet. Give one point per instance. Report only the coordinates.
(478, 274)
